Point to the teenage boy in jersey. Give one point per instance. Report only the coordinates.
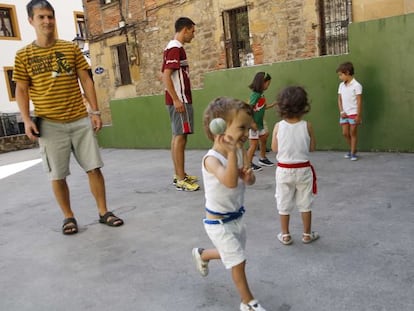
(175, 72)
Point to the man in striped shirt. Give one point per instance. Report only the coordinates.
(47, 72)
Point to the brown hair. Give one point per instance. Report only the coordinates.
(259, 79)
(346, 68)
(183, 22)
(292, 102)
(225, 108)
(42, 4)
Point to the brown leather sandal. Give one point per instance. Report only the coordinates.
(111, 220)
(70, 226)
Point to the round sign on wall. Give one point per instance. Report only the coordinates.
(99, 70)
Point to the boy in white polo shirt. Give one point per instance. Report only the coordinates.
(350, 107)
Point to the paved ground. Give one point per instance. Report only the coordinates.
(363, 261)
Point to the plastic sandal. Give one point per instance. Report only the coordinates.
(282, 238)
(313, 236)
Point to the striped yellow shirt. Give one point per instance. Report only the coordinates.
(53, 82)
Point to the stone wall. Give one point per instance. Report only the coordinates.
(17, 142)
(279, 30)
(365, 10)
(142, 122)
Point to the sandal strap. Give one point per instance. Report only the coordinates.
(68, 221)
(113, 219)
(70, 226)
(310, 237)
(107, 215)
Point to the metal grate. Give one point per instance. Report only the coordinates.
(236, 34)
(9, 125)
(335, 16)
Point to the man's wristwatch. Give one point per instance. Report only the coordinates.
(95, 113)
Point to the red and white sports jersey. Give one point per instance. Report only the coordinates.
(175, 58)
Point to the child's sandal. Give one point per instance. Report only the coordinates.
(284, 238)
(310, 237)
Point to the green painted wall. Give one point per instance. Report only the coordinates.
(383, 55)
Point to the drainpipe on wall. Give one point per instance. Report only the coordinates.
(126, 8)
(86, 21)
(350, 10)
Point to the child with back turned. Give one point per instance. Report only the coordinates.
(226, 172)
(293, 139)
(350, 107)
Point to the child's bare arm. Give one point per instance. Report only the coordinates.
(341, 109)
(274, 138)
(227, 175)
(359, 111)
(312, 144)
(246, 172)
(268, 106)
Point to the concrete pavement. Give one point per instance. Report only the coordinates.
(364, 213)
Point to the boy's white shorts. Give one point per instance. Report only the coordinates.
(294, 188)
(230, 241)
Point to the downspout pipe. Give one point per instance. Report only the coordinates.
(350, 11)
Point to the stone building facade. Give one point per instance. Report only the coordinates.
(127, 37)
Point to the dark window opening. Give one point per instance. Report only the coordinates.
(9, 125)
(80, 25)
(237, 38)
(6, 23)
(121, 65)
(11, 85)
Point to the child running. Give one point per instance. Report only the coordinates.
(259, 132)
(350, 107)
(226, 171)
(293, 139)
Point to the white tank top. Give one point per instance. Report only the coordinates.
(293, 142)
(220, 198)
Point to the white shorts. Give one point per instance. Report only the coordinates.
(294, 188)
(256, 134)
(230, 241)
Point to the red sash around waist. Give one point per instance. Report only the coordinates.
(300, 165)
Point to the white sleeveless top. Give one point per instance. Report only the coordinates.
(220, 198)
(293, 142)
